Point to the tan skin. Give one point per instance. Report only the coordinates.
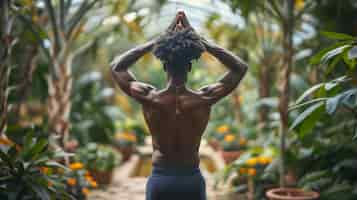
(176, 115)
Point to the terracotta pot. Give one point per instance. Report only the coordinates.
(291, 194)
(230, 156)
(126, 152)
(214, 144)
(102, 178)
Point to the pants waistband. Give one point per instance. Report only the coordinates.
(175, 171)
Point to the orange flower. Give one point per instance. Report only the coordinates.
(252, 162)
(93, 184)
(242, 141)
(126, 136)
(44, 170)
(6, 141)
(229, 138)
(252, 172)
(76, 166)
(87, 173)
(222, 129)
(49, 184)
(264, 160)
(71, 181)
(242, 170)
(89, 178)
(85, 191)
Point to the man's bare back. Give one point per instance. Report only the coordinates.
(176, 122)
(176, 115)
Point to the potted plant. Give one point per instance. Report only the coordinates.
(232, 147)
(79, 181)
(29, 170)
(100, 160)
(251, 172)
(125, 143)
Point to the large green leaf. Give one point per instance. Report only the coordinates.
(332, 104)
(332, 53)
(352, 53)
(338, 36)
(338, 192)
(316, 59)
(306, 115)
(309, 92)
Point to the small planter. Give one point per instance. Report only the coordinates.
(103, 178)
(126, 152)
(291, 194)
(214, 143)
(230, 156)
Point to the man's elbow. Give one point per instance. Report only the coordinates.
(244, 69)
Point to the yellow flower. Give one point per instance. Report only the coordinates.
(76, 166)
(126, 136)
(229, 138)
(264, 160)
(93, 184)
(252, 162)
(299, 4)
(242, 142)
(222, 129)
(242, 170)
(85, 191)
(71, 181)
(252, 172)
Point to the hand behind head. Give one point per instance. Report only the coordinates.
(180, 22)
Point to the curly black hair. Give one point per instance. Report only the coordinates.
(177, 49)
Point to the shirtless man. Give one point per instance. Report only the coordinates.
(177, 116)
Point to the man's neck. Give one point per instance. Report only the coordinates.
(176, 82)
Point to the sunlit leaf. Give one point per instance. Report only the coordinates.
(352, 53)
(338, 36)
(309, 92)
(305, 115)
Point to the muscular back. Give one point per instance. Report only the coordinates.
(176, 122)
(176, 116)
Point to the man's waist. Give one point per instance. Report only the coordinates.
(175, 160)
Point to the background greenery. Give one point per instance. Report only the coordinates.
(301, 82)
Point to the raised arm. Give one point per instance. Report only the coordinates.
(230, 80)
(142, 92)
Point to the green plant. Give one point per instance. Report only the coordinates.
(29, 171)
(92, 115)
(98, 157)
(331, 96)
(327, 125)
(252, 171)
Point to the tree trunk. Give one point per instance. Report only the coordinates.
(5, 43)
(284, 82)
(25, 79)
(237, 106)
(264, 92)
(59, 103)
